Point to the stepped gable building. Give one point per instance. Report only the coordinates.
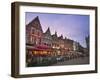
(34, 32)
(47, 38)
(55, 41)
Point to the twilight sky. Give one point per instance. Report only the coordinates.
(75, 27)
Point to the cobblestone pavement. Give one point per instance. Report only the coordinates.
(84, 60)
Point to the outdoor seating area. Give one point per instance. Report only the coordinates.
(34, 60)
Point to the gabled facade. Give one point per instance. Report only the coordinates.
(34, 32)
(55, 43)
(47, 38)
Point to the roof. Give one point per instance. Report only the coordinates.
(54, 35)
(48, 31)
(35, 23)
(61, 37)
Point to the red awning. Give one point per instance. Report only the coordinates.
(39, 48)
(43, 47)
